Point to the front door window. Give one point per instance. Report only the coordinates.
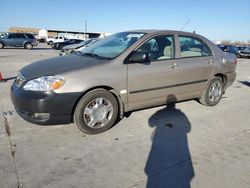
(159, 48)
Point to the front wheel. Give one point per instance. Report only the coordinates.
(28, 46)
(212, 93)
(96, 112)
(1, 45)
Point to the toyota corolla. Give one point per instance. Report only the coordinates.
(122, 73)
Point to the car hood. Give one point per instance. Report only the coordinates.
(60, 65)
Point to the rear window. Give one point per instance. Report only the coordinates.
(30, 36)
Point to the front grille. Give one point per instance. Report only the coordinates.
(20, 79)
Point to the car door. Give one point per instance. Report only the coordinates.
(10, 40)
(150, 83)
(19, 39)
(196, 64)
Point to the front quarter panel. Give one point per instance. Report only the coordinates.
(109, 74)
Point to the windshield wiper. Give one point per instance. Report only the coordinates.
(91, 55)
(94, 55)
(81, 53)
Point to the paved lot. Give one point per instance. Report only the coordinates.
(186, 145)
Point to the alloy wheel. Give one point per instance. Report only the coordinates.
(98, 113)
(215, 91)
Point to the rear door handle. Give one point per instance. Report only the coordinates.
(174, 66)
(210, 61)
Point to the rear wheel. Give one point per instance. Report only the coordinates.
(28, 46)
(96, 112)
(213, 92)
(1, 45)
(50, 43)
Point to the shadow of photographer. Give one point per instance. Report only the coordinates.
(169, 162)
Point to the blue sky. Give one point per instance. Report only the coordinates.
(215, 19)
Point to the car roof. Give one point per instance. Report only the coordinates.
(151, 31)
(21, 33)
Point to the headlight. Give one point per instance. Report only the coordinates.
(45, 83)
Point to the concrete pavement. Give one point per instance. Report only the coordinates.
(186, 145)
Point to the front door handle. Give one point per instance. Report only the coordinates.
(174, 66)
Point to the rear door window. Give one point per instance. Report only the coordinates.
(193, 47)
(20, 36)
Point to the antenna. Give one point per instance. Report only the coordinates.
(85, 29)
(185, 24)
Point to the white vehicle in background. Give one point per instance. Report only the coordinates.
(51, 41)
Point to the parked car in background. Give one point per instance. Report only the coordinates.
(87, 45)
(124, 72)
(60, 45)
(51, 41)
(245, 53)
(3, 34)
(76, 47)
(25, 40)
(228, 48)
(241, 48)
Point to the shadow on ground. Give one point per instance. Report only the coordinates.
(246, 83)
(169, 162)
(21, 48)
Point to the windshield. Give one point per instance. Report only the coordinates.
(112, 46)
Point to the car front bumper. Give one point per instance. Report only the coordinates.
(244, 55)
(44, 108)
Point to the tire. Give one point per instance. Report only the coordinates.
(96, 112)
(1, 45)
(50, 43)
(212, 93)
(28, 46)
(60, 46)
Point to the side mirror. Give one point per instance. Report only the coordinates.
(139, 57)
